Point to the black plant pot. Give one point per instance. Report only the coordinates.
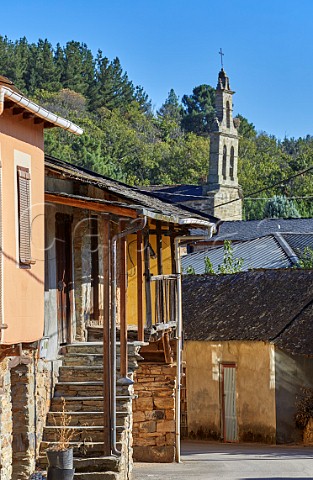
(60, 473)
(60, 459)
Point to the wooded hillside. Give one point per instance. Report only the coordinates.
(126, 140)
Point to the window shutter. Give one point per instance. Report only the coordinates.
(23, 178)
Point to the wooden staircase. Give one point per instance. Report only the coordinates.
(80, 384)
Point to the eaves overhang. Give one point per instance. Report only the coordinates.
(36, 110)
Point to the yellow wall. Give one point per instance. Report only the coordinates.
(255, 382)
(21, 142)
(132, 273)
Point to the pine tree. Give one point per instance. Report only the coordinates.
(199, 111)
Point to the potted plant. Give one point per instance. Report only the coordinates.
(60, 455)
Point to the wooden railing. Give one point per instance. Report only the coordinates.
(165, 289)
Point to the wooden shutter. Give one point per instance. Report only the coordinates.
(23, 180)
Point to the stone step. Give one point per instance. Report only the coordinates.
(92, 348)
(81, 418)
(94, 360)
(85, 449)
(85, 404)
(73, 389)
(77, 404)
(81, 373)
(81, 433)
(93, 389)
(85, 347)
(89, 464)
(97, 476)
(83, 359)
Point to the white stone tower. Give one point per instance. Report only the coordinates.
(222, 186)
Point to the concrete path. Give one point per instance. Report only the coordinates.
(207, 461)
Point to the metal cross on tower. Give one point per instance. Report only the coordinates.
(222, 55)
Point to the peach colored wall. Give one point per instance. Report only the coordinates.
(23, 289)
(255, 386)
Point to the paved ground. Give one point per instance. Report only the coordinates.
(207, 461)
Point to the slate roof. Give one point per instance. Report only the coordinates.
(265, 252)
(130, 194)
(248, 229)
(273, 306)
(175, 193)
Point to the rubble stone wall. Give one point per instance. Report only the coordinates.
(25, 394)
(154, 413)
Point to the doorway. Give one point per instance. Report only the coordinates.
(63, 240)
(229, 413)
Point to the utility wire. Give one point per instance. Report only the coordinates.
(286, 180)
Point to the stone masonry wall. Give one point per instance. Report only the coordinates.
(24, 402)
(154, 413)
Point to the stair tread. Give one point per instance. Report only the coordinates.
(83, 367)
(92, 382)
(80, 399)
(80, 427)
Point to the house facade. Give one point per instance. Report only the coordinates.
(22, 274)
(249, 334)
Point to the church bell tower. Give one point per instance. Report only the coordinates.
(222, 187)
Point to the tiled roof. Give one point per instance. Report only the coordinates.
(263, 252)
(271, 305)
(131, 194)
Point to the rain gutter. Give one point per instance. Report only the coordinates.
(134, 226)
(38, 111)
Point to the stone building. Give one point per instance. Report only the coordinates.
(255, 356)
(221, 195)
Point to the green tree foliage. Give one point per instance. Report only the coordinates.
(229, 265)
(199, 110)
(280, 206)
(306, 259)
(124, 139)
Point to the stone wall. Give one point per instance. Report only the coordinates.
(24, 402)
(154, 413)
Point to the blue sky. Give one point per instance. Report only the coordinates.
(165, 44)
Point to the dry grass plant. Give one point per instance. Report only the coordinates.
(66, 433)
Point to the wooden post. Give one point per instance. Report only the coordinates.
(139, 288)
(147, 279)
(106, 341)
(159, 247)
(123, 290)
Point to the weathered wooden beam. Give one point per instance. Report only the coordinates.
(92, 206)
(106, 341)
(168, 355)
(17, 110)
(38, 120)
(27, 115)
(147, 279)
(8, 104)
(123, 291)
(139, 288)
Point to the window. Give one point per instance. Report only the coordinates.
(232, 162)
(227, 115)
(23, 186)
(224, 162)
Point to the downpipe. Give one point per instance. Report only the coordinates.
(134, 226)
(179, 330)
